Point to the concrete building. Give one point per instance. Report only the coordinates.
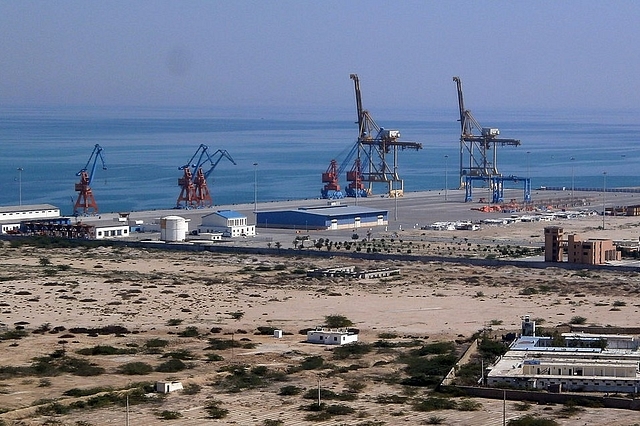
(11, 216)
(585, 363)
(228, 222)
(531, 364)
(167, 387)
(553, 248)
(592, 251)
(109, 230)
(335, 216)
(331, 336)
(589, 252)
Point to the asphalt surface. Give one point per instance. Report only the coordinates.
(412, 211)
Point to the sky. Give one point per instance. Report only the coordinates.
(509, 54)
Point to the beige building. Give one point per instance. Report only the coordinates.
(592, 251)
(589, 252)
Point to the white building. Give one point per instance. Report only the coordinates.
(533, 364)
(108, 230)
(229, 222)
(166, 387)
(331, 336)
(11, 216)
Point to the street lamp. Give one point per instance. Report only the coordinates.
(573, 186)
(20, 170)
(604, 194)
(255, 190)
(446, 186)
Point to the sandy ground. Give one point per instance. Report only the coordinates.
(142, 289)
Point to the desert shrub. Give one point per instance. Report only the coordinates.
(218, 344)
(174, 321)
(190, 331)
(266, 331)
(55, 408)
(337, 321)
(44, 383)
(135, 368)
(183, 354)
(339, 409)
(391, 399)
(490, 348)
(171, 366)
(435, 349)
(105, 350)
(530, 420)
(214, 411)
(434, 420)
(13, 335)
(312, 362)
(191, 389)
(214, 357)
(169, 415)
(77, 392)
(427, 371)
(328, 394)
(387, 335)
(433, 404)
(469, 405)
(289, 390)
(577, 320)
(154, 344)
(351, 350)
(271, 422)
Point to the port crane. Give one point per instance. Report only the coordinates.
(479, 154)
(374, 144)
(331, 189)
(194, 191)
(86, 201)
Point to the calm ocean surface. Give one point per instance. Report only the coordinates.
(143, 148)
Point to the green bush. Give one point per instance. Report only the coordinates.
(351, 350)
(289, 390)
(169, 415)
(530, 420)
(337, 321)
(135, 368)
(214, 411)
(434, 404)
(171, 366)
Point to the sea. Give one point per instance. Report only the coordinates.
(281, 152)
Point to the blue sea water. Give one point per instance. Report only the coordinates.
(143, 148)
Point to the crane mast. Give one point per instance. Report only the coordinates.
(374, 145)
(86, 202)
(476, 158)
(194, 191)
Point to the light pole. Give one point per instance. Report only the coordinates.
(604, 195)
(20, 170)
(446, 184)
(573, 186)
(528, 169)
(255, 192)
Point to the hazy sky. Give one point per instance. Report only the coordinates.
(518, 54)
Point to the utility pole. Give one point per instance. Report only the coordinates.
(255, 192)
(604, 197)
(573, 186)
(446, 183)
(20, 170)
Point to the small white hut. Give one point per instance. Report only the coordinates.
(166, 387)
(331, 336)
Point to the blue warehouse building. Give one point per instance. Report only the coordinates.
(324, 217)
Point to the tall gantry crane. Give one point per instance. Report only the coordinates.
(86, 201)
(373, 146)
(194, 191)
(479, 153)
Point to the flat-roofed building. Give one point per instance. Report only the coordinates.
(11, 216)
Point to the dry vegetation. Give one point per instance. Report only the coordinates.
(82, 327)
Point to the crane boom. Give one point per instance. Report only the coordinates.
(86, 201)
(194, 190)
(474, 159)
